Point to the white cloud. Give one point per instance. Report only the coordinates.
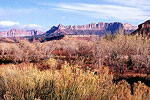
(108, 11)
(141, 4)
(33, 26)
(136, 3)
(6, 25)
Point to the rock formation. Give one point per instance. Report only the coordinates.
(143, 29)
(129, 27)
(19, 33)
(91, 29)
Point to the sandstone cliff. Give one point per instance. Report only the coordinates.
(91, 29)
(19, 33)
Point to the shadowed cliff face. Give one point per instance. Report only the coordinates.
(19, 33)
(143, 29)
(91, 29)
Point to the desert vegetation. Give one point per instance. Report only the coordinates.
(75, 69)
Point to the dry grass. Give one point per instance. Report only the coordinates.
(26, 82)
(71, 69)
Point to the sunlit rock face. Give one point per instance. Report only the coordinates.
(130, 27)
(19, 33)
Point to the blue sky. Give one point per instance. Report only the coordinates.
(42, 14)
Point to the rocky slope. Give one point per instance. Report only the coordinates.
(143, 29)
(91, 29)
(19, 33)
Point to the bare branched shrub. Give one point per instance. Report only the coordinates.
(122, 52)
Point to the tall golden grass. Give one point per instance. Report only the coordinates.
(26, 82)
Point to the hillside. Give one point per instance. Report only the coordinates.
(143, 29)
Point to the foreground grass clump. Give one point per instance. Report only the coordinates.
(26, 82)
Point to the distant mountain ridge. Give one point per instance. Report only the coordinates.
(90, 29)
(19, 33)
